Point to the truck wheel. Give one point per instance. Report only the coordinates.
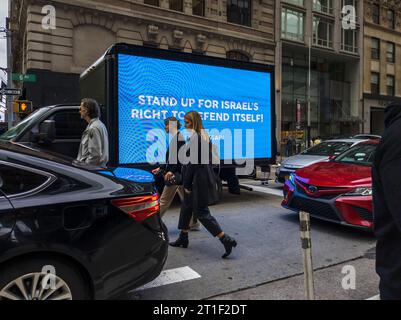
(29, 280)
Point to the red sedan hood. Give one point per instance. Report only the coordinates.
(334, 174)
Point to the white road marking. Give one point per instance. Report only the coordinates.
(265, 190)
(171, 276)
(375, 297)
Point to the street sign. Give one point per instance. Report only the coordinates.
(24, 77)
(11, 92)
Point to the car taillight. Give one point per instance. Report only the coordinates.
(139, 208)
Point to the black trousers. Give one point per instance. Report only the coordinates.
(200, 213)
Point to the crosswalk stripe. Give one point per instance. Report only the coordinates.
(171, 276)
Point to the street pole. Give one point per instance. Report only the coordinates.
(9, 67)
(304, 220)
(308, 133)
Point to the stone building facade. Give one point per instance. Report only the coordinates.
(85, 29)
(336, 68)
(382, 61)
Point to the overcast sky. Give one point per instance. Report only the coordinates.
(3, 42)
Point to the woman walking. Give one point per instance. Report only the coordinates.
(195, 182)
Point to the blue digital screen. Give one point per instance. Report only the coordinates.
(235, 105)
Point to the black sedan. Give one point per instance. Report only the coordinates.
(69, 232)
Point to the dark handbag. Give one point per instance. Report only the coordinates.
(214, 186)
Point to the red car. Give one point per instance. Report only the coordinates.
(338, 191)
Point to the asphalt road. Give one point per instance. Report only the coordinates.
(267, 264)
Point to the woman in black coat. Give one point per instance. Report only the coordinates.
(196, 184)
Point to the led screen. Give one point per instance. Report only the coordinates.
(235, 105)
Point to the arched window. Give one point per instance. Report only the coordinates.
(237, 55)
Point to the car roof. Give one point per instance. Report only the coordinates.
(350, 140)
(20, 149)
(63, 105)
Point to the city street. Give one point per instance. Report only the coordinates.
(267, 264)
(268, 113)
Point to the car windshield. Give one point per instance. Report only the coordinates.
(328, 149)
(20, 127)
(361, 154)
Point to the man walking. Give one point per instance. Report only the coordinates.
(386, 175)
(94, 147)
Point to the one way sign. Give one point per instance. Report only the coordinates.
(11, 92)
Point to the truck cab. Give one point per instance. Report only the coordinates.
(55, 129)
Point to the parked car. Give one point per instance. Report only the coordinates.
(339, 190)
(321, 152)
(3, 127)
(367, 136)
(98, 232)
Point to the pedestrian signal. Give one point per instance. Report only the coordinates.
(23, 107)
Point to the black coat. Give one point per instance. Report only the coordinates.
(197, 174)
(386, 176)
(172, 161)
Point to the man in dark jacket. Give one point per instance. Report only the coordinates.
(386, 175)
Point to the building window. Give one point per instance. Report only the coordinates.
(198, 7)
(376, 13)
(324, 6)
(239, 12)
(322, 32)
(391, 19)
(390, 86)
(300, 3)
(152, 2)
(176, 5)
(236, 55)
(375, 83)
(390, 52)
(349, 41)
(292, 25)
(375, 48)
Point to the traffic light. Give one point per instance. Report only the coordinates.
(23, 107)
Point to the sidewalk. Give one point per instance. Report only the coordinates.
(328, 285)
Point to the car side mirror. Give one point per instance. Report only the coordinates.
(47, 132)
(332, 157)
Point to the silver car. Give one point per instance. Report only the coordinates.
(321, 152)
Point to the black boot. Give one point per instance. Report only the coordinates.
(182, 241)
(229, 243)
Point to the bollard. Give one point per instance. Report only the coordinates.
(304, 220)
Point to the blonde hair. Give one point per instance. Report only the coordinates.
(197, 124)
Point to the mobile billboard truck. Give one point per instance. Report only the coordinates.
(139, 87)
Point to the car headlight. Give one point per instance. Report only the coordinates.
(361, 191)
(292, 178)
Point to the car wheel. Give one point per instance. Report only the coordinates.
(42, 279)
